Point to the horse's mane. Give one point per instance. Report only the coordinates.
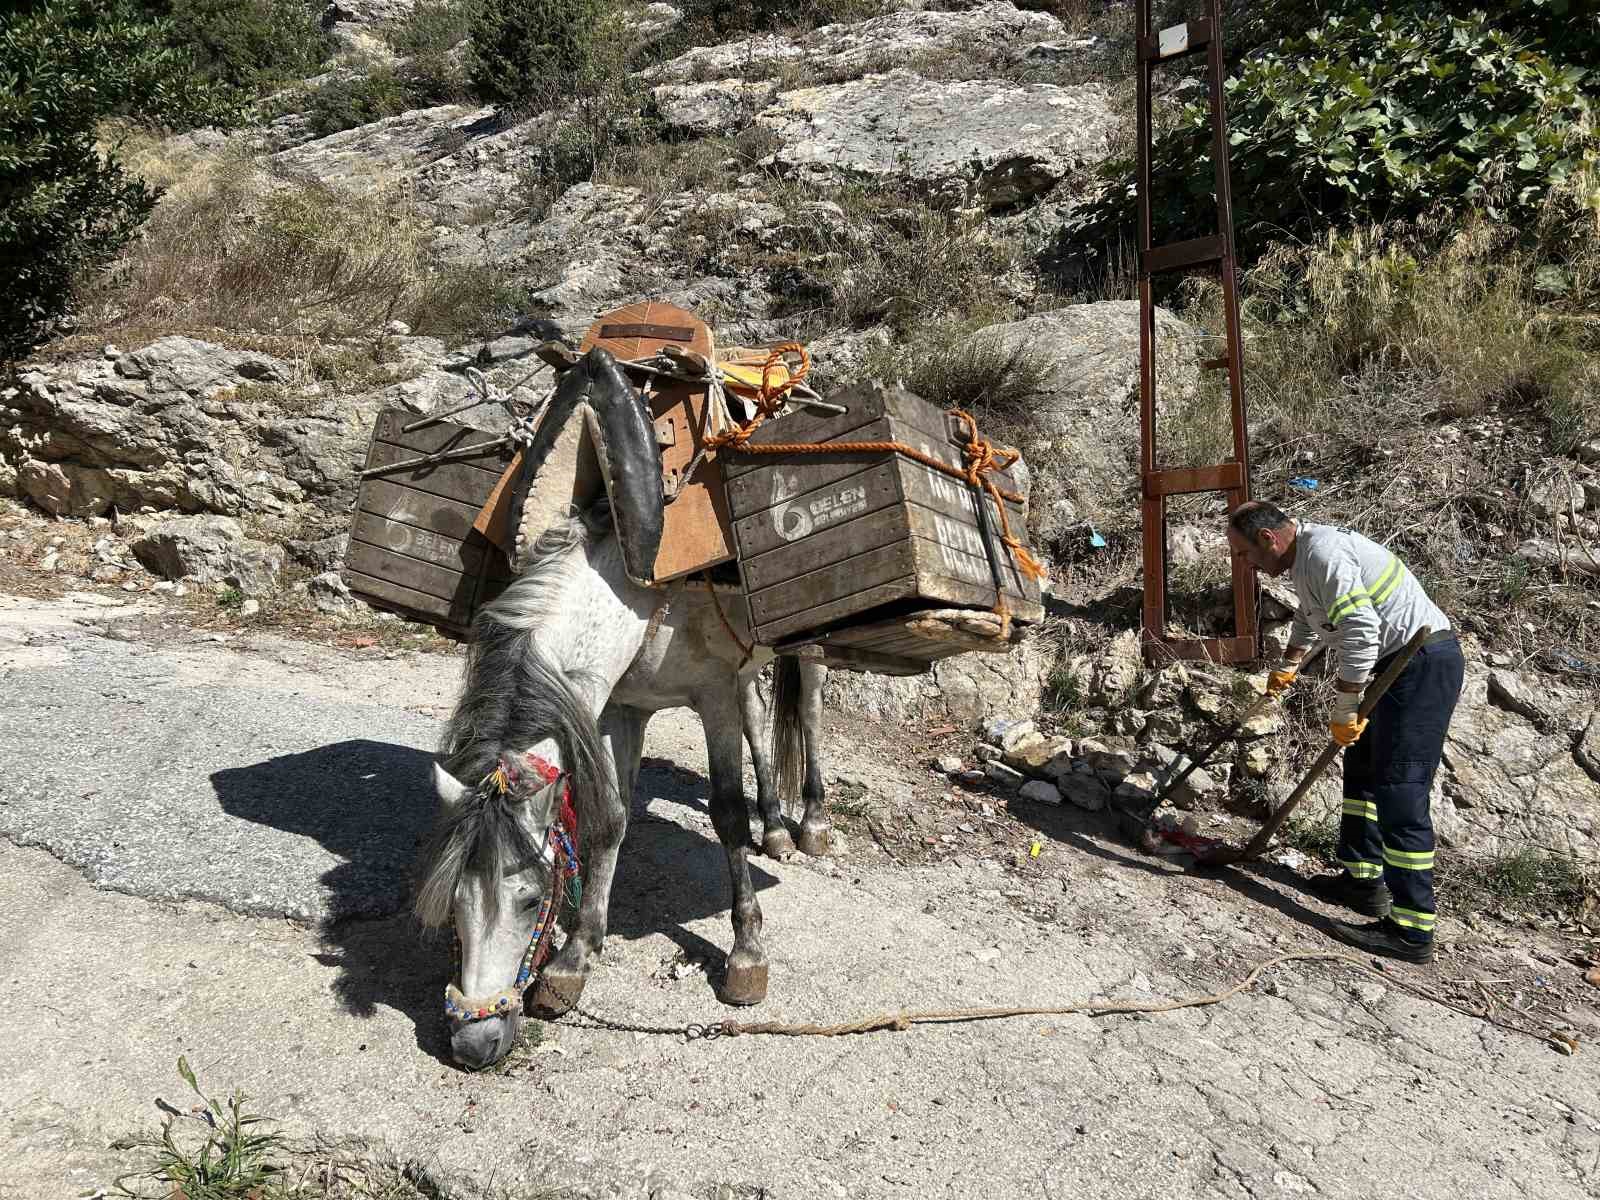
(514, 697)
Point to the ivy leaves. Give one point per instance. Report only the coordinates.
(1374, 114)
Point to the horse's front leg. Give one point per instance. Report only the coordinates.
(746, 979)
(816, 831)
(562, 980)
(776, 841)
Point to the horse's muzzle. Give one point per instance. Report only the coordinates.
(479, 1044)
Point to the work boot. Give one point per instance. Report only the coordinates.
(1385, 938)
(1370, 899)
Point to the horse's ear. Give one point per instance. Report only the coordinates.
(451, 790)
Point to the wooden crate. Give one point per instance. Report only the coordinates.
(412, 548)
(838, 550)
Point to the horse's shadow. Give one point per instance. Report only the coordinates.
(371, 804)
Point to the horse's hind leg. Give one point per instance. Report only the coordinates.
(776, 841)
(746, 978)
(562, 980)
(816, 831)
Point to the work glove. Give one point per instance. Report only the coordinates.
(1344, 724)
(1281, 679)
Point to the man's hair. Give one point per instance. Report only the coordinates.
(1253, 516)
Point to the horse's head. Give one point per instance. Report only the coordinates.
(503, 856)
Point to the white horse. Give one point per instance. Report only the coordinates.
(564, 670)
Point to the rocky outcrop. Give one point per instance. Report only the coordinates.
(839, 51)
(187, 425)
(1520, 764)
(966, 690)
(385, 151)
(990, 142)
(209, 550)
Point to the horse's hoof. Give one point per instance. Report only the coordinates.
(776, 843)
(556, 995)
(745, 985)
(816, 842)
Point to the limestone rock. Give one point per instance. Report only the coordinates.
(212, 550)
(1009, 732)
(838, 51)
(966, 689)
(1035, 754)
(182, 424)
(372, 155)
(1003, 775)
(1265, 723)
(1557, 494)
(1522, 785)
(1205, 696)
(992, 142)
(1562, 558)
(1256, 761)
(1135, 791)
(720, 106)
(1519, 693)
(1117, 671)
(330, 593)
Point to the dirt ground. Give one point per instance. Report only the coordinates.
(205, 826)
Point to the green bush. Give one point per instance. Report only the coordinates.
(251, 44)
(528, 52)
(343, 104)
(1373, 114)
(716, 20)
(425, 38)
(66, 207)
(432, 27)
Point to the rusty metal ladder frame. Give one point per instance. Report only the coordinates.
(1232, 477)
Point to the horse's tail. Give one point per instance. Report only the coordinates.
(788, 733)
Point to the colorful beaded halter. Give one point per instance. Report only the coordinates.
(561, 846)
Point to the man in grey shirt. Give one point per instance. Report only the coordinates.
(1360, 598)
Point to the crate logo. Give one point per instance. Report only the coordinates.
(794, 519)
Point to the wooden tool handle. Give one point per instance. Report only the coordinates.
(1227, 735)
(1368, 702)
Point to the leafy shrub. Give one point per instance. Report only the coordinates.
(432, 27)
(430, 31)
(531, 51)
(1375, 114)
(713, 20)
(341, 104)
(65, 207)
(251, 44)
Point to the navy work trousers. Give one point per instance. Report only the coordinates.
(1386, 830)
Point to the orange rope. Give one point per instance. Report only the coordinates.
(772, 397)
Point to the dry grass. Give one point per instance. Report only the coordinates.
(1431, 383)
(231, 248)
(891, 260)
